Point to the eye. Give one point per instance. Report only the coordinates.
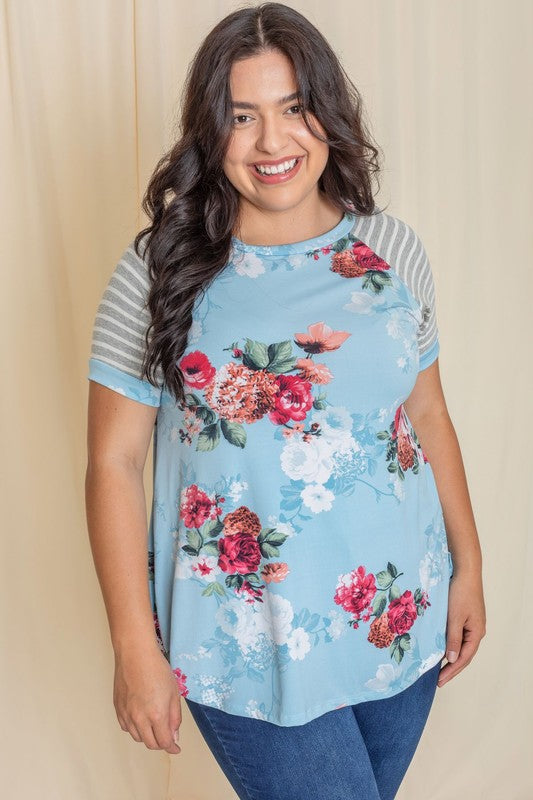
(298, 107)
(240, 116)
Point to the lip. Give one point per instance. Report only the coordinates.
(283, 177)
(268, 163)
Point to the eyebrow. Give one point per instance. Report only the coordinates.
(253, 106)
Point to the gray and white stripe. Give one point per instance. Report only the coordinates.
(397, 243)
(122, 318)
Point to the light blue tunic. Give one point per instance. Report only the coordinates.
(298, 559)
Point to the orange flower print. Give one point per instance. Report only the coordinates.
(320, 338)
(314, 373)
(241, 394)
(275, 572)
(404, 451)
(242, 520)
(356, 261)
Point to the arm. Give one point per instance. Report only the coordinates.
(426, 408)
(118, 436)
(145, 692)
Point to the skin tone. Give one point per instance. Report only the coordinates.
(284, 212)
(119, 429)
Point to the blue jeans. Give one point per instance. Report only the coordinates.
(358, 752)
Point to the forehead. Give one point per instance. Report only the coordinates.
(267, 78)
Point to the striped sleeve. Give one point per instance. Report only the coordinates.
(398, 244)
(118, 334)
(418, 276)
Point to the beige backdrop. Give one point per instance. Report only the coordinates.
(90, 93)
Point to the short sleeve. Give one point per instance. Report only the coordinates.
(118, 334)
(418, 275)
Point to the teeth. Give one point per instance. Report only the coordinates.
(276, 170)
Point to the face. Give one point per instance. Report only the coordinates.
(272, 132)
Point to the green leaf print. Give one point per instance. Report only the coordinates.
(211, 548)
(379, 604)
(255, 355)
(234, 432)
(280, 357)
(269, 540)
(212, 528)
(399, 647)
(209, 438)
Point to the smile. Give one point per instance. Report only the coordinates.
(277, 173)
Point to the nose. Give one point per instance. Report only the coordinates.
(272, 136)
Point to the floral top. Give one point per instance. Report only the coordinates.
(297, 560)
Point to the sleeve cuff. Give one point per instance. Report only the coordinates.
(123, 383)
(429, 356)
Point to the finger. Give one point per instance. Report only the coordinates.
(164, 736)
(132, 729)
(466, 655)
(147, 735)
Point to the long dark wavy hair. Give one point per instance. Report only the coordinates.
(192, 205)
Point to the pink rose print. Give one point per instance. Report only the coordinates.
(197, 370)
(365, 595)
(293, 400)
(239, 552)
(196, 507)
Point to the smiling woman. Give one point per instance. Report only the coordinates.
(283, 331)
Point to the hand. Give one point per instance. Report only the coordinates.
(466, 624)
(146, 697)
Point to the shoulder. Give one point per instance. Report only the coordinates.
(397, 243)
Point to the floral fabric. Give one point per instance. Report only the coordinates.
(298, 559)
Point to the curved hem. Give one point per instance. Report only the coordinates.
(318, 710)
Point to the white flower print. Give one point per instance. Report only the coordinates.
(337, 626)
(317, 498)
(335, 423)
(282, 527)
(361, 303)
(299, 644)
(429, 662)
(308, 461)
(248, 264)
(385, 675)
(277, 614)
(195, 331)
(236, 489)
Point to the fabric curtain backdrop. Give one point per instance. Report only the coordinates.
(90, 93)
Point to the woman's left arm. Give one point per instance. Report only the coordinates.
(466, 626)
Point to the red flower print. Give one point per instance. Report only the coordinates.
(320, 338)
(355, 591)
(181, 678)
(242, 520)
(293, 400)
(357, 260)
(196, 507)
(197, 370)
(202, 568)
(241, 394)
(239, 552)
(275, 573)
(402, 613)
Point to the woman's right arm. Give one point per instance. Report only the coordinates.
(145, 693)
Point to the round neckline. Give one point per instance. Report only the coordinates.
(327, 238)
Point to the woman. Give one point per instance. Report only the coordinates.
(279, 331)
